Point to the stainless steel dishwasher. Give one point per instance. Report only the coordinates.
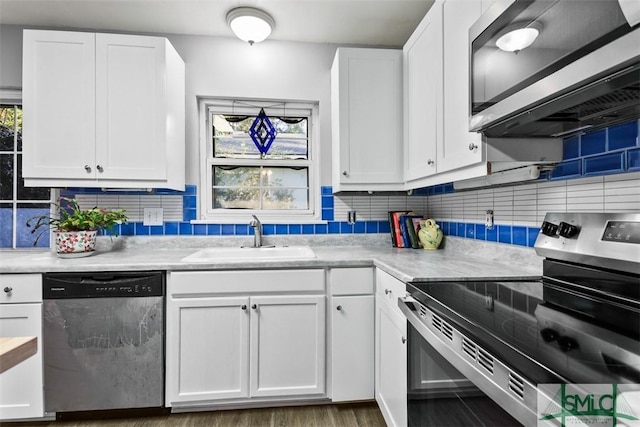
(103, 340)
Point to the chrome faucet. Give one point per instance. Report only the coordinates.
(257, 231)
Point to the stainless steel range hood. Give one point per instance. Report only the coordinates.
(582, 73)
(609, 100)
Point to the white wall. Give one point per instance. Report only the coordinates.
(228, 67)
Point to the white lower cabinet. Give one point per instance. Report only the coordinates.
(390, 351)
(351, 317)
(21, 387)
(267, 340)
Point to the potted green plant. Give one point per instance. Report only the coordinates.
(76, 229)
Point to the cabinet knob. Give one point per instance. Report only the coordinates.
(8, 289)
(472, 146)
(430, 162)
(387, 291)
(404, 340)
(100, 168)
(339, 308)
(254, 306)
(345, 173)
(87, 168)
(243, 306)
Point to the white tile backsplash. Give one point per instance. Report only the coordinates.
(135, 204)
(524, 205)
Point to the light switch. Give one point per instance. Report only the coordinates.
(152, 216)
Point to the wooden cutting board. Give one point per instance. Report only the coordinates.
(16, 349)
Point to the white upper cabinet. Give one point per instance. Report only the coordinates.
(366, 104)
(423, 95)
(102, 110)
(458, 147)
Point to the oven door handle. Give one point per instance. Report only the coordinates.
(409, 306)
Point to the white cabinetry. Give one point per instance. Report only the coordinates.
(21, 387)
(391, 350)
(423, 95)
(102, 110)
(351, 334)
(366, 119)
(239, 335)
(458, 147)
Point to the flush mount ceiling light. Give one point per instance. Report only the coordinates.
(518, 37)
(249, 24)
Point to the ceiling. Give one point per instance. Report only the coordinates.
(359, 22)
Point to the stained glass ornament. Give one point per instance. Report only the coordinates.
(262, 132)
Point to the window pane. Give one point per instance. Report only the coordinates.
(6, 225)
(19, 124)
(6, 176)
(24, 235)
(236, 198)
(7, 126)
(232, 138)
(29, 193)
(286, 188)
(229, 176)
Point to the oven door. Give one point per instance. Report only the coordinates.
(451, 380)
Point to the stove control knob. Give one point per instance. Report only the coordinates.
(549, 229)
(548, 335)
(567, 230)
(567, 344)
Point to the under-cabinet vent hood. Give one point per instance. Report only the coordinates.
(518, 175)
(581, 73)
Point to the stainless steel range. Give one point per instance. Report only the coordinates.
(482, 343)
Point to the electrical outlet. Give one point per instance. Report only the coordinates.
(152, 216)
(488, 220)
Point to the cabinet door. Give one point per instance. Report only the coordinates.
(368, 117)
(287, 345)
(207, 349)
(423, 95)
(391, 364)
(459, 147)
(352, 348)
(131, 107)
(21, 387)
(58, 77)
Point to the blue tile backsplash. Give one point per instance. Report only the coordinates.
(605, 152)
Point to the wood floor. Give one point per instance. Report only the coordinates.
(345, 415)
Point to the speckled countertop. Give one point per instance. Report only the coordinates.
(457, 259)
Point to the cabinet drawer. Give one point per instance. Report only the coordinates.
(19, 288)
(389, 289)
(245, 281)
(351, 281)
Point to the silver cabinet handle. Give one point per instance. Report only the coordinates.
(339, 308)
(8, 289)
(345, 173)
(387, 291)
(243, 306)
(87, 168)
(430, 162)
(100, 168)
(404, 340)
(254, 306)
(472, 146)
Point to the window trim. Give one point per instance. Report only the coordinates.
(14, 96)
(235, 106)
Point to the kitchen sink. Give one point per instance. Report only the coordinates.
(249, 253)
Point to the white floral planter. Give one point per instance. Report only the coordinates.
(75, 243)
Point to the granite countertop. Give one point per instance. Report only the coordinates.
(458, 259)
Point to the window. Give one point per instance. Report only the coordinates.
(17, 202)
(275, 180)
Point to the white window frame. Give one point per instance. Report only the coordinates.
(206, 161)
(14, 97)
